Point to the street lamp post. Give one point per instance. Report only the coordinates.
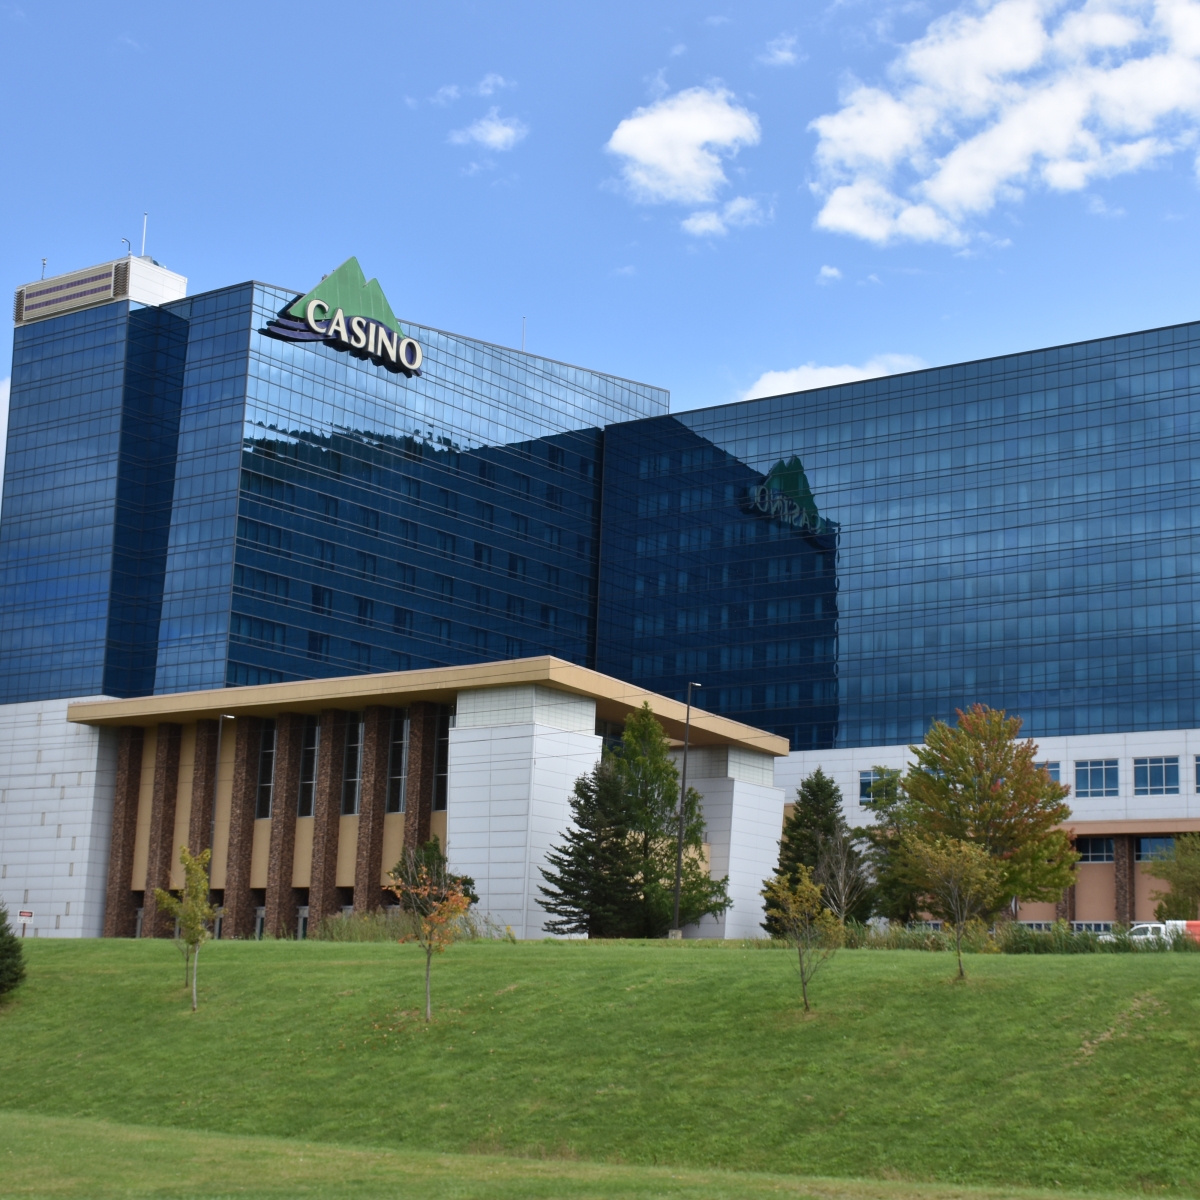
(676, 930)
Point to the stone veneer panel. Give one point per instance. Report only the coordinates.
(281, 899)
(422, 760)
(204, 786)
(162, 829)
(239, 912)
(377, 741)
(120, 915)
(327, 814)
(1123, 859)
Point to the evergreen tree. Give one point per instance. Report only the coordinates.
(594, 887)
(12, 958)
(816, 815)
(616, 872)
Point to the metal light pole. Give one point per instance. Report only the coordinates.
(676, 930)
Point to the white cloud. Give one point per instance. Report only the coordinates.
(828, 274)
(739, 212)
(493, 131)
(780, 51)
(492, 82)
(716, 22)
(676, 51)
(1000, 96)
(802, 379)
(446, 94)
(4, 390)
(672, 148)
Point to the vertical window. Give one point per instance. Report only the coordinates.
(366, 610)
(398, 762)
(402, 620)
(318, 646)
(352, 768)
(309, 752)
(266, 770)
(1156, 776)
(441, 761)
(866, 780)
(1053, 769)
(1096, 777)
(322, 599)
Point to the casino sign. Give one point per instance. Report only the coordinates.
(349, 313)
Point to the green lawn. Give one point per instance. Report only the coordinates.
(1077, 1073)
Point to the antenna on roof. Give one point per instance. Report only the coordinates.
(43, 268)
(129, 244)
(145, 216)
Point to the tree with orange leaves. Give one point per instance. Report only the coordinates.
(979, 783)
(435, 899)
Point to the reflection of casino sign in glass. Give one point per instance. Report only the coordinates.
(347, 312)
(784, 495)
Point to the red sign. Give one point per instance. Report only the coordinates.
(25, 915)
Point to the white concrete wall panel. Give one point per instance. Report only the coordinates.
(844, 767)
(56, 798)
(507, 805)
(527, 704)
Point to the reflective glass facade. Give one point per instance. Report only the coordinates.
(190, 502)
(322, 515)
(1021, 531)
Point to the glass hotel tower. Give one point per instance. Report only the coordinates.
(190, 502)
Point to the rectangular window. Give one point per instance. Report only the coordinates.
(318, 646)
(445, 544)
(360, 652)
(520, 525)
(554, 497)
(517, 567)
(487, 473)
(1053, 769)
(322, 599)
(329, 506)
(368, 565)
(1156, 776)
(445, 586)
(486, 514)
(266, 771)
(515, 607)
(514, 648)
(553, 576)
(483, 556)
(865, 781)
(1094, 849)
(549, 617)
(398, 762)
(366, 610)
(479, 641)
(481, 597)
(309, 750)
(352, 767)
(368, 519)
(442, 632)
(556, 456)
(521, 485)
(326, 553)
(406, 531)
(1154, 849)
(406, 576)
(1096, 777)
(441, 761)
(402, 620)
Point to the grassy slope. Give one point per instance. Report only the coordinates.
(1049, 1071)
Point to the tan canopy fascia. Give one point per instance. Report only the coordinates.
(439, 685)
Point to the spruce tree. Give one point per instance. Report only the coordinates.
(817, 814)
(593, 886)
(12, 958)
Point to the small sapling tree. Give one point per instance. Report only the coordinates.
(805, 922)
(842, 874)
(435, 899)
(960, 879)
(192, 910)
(12, 959)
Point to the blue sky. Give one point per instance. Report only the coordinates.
(719, 199)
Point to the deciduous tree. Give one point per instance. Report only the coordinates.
(807, 924)
(959, 880)
(893, 893)
(437, 902)
(193, 910)
(1181, 869)
(978, 783)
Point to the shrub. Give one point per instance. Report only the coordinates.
(12, 958)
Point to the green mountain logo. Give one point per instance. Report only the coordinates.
(789, 480)
(350, 290)
(784, 495)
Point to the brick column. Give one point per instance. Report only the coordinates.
(239, 912)
(368, 863)
(1123, 861)
(422, 757)
(120, 916)
(281, 900)
(161, 852)
(327, 814)
(204, 786)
